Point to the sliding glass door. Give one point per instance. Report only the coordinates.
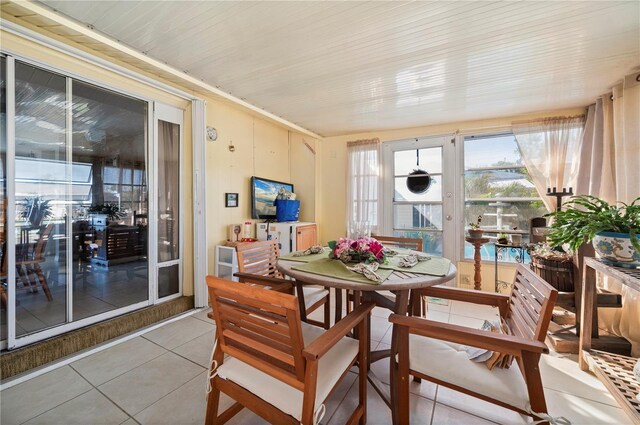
(110, 201)
(41, 200)
(76, 244)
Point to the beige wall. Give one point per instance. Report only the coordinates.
(262, 149)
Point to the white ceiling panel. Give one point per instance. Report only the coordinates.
(346, 67)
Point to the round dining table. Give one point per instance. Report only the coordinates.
(400, 283)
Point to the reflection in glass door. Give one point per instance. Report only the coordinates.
(41, 211)
(110, 199)
(169, 136)
(78, 234)
(418, 210)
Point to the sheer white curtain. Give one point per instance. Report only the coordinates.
(623, 123)
(626, 129)
(596, 165)
(364, 187)
(168, 190)
(544, 145)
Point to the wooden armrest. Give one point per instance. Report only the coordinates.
(507, 344)
(324, 342)
(469, 295)
(276, 284)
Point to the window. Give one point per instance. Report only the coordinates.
(498, 188)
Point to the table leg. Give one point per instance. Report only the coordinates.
(399, 307)
(338, 312)
(586, 315)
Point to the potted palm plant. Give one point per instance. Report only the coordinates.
(36, 209)
(612, 228)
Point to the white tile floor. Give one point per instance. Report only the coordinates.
(159, 378)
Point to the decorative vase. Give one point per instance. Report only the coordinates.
(476, 233)
(616, 249)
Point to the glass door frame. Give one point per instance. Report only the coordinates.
(450, 190)
(163, 112)
(13, 342)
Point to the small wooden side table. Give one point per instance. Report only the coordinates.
(477, 244)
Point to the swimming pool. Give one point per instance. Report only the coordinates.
(488, 251)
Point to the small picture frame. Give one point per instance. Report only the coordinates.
(230, 200)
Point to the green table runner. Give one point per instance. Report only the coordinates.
(321, 264)
(437, 266)
(307, 258)
(337, 269)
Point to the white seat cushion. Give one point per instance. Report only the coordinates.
(449, 362)
(313, 294)
(286, 398)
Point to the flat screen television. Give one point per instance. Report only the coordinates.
(263, 193)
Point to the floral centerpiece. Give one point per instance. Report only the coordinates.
(367, 250)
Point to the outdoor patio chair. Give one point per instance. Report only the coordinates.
(279, 367)
(436, 351)
(260, 258)
(416, 302)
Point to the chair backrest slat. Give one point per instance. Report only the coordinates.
(393, 241)
(259, 327)
(276, 313)
(277, 331)
(42, 242)
(238, 336)
(258, 258)
(528, 305)
(261, 335)
(531, 305)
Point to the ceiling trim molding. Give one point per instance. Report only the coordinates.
(36, 37)
(102, 39)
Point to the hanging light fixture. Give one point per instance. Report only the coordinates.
(418, 181)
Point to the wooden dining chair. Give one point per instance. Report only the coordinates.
(435, 351)
(260, 258)
(279, 367)
(28, 264)
(416, 302)
(414, 244)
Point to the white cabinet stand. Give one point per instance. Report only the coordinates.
(226, 262)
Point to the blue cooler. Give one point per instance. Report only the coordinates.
(287, 210)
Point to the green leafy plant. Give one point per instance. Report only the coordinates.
(113, 211)
(583, 216)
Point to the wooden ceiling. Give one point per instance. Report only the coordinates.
(346, 67)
